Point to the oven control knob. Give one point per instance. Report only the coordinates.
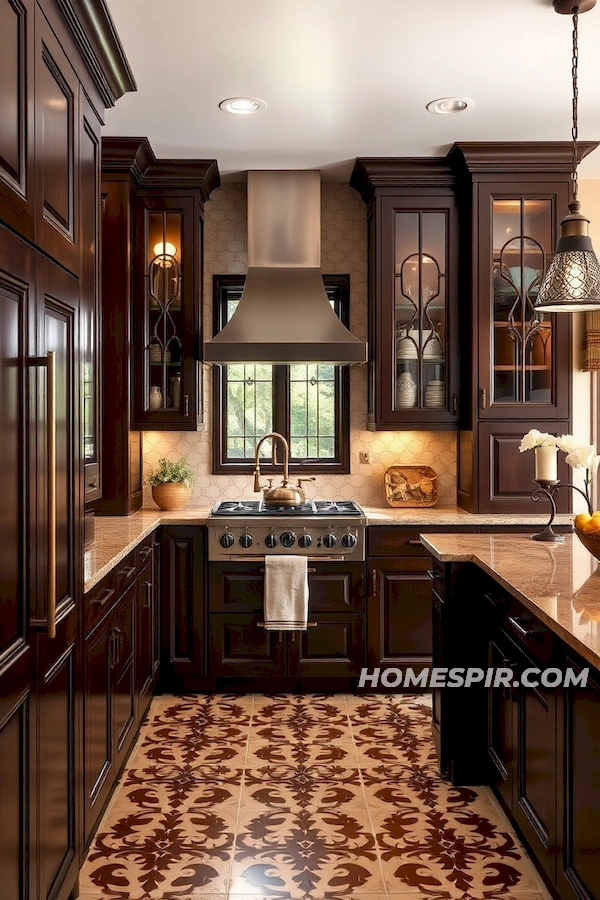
(227, 540)
(246, 540)
(329, 540)
(271, 541)
(304, 541)
(288, 539)
(348, 541)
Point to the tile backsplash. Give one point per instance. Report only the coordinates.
(344, 250)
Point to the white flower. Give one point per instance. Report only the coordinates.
(535, 438)
(582, 456)
(567, 442)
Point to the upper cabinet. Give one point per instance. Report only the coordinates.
(516, 369)
(152, 217)
(413, 292)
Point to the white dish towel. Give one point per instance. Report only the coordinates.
(286, 593)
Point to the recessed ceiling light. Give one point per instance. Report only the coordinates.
(242, 106)
(447, 106)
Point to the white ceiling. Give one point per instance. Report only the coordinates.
(347, 78)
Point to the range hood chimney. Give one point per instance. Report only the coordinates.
(284, 314)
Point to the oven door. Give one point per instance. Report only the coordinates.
(240, 647)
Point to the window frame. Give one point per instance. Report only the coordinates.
(340, 286)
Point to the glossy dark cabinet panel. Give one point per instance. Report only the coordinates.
(17, 178)
(97, 725)
(240, 648)
(56, 124)
(182, 600)
(15, 796)
(399, 612)
(335, 647)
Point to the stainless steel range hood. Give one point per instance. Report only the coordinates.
(284, 315)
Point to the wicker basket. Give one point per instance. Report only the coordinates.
(411, 486)
(171, 495)
(591, 542)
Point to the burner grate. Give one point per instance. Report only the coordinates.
(310, 508)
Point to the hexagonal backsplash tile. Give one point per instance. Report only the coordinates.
(343, 250)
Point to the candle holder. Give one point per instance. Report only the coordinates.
(548, 489)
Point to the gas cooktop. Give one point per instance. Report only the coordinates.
(310, 508)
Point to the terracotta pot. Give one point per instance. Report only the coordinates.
(171, 494)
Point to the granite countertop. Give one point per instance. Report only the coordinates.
(560, 583)
(116, 536)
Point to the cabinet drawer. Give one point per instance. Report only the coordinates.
(240, 648)
(144, 552)
(125, 573)
(336, 647)
(529, 633)
(99, 601)
(393, 540)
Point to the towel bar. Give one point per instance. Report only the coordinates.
(310, 569)
(308, 625)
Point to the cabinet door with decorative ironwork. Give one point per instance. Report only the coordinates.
(167, 326)
(522, 350)
(416, 331)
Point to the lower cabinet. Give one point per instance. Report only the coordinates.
(334, 645)
(578, 858)
(182, 603)
(120, 669)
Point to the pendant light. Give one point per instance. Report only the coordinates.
(572, 282)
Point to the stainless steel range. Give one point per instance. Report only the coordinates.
(319, 529)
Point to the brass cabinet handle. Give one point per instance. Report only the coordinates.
(51, 452)
(483, 398)
(127, 572)
(145, 553)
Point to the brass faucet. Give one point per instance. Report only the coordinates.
(284, 494)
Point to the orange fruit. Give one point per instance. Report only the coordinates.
(581, 520)
(592, 527)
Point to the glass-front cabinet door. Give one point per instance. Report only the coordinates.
(417, 322)
(167, 368)
(519, 345)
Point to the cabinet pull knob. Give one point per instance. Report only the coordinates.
(483, 402)
(186, 404)
(103, 598)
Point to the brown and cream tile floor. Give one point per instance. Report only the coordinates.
(290, 796)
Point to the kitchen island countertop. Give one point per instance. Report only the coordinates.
(559, 583)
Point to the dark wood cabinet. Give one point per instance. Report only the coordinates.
(578, 869)
(183, 617)
(17, 176)
(516, 370)
(148, 624)
(57, 75)
(413, 292)
(241, 648)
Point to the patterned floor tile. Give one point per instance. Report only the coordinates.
(341, 753)
(302, 786)
(182, 787)
(299, 797)
(152, 853)
(456, 853)
(306, 853)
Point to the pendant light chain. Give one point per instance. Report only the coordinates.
(574, 73)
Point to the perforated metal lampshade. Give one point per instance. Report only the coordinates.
(572, 282)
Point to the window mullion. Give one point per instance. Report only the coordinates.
(281, 400)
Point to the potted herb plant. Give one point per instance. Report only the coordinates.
(171, 483)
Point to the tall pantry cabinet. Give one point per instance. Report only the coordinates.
(60, 66)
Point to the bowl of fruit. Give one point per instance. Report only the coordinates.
(587, 529)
